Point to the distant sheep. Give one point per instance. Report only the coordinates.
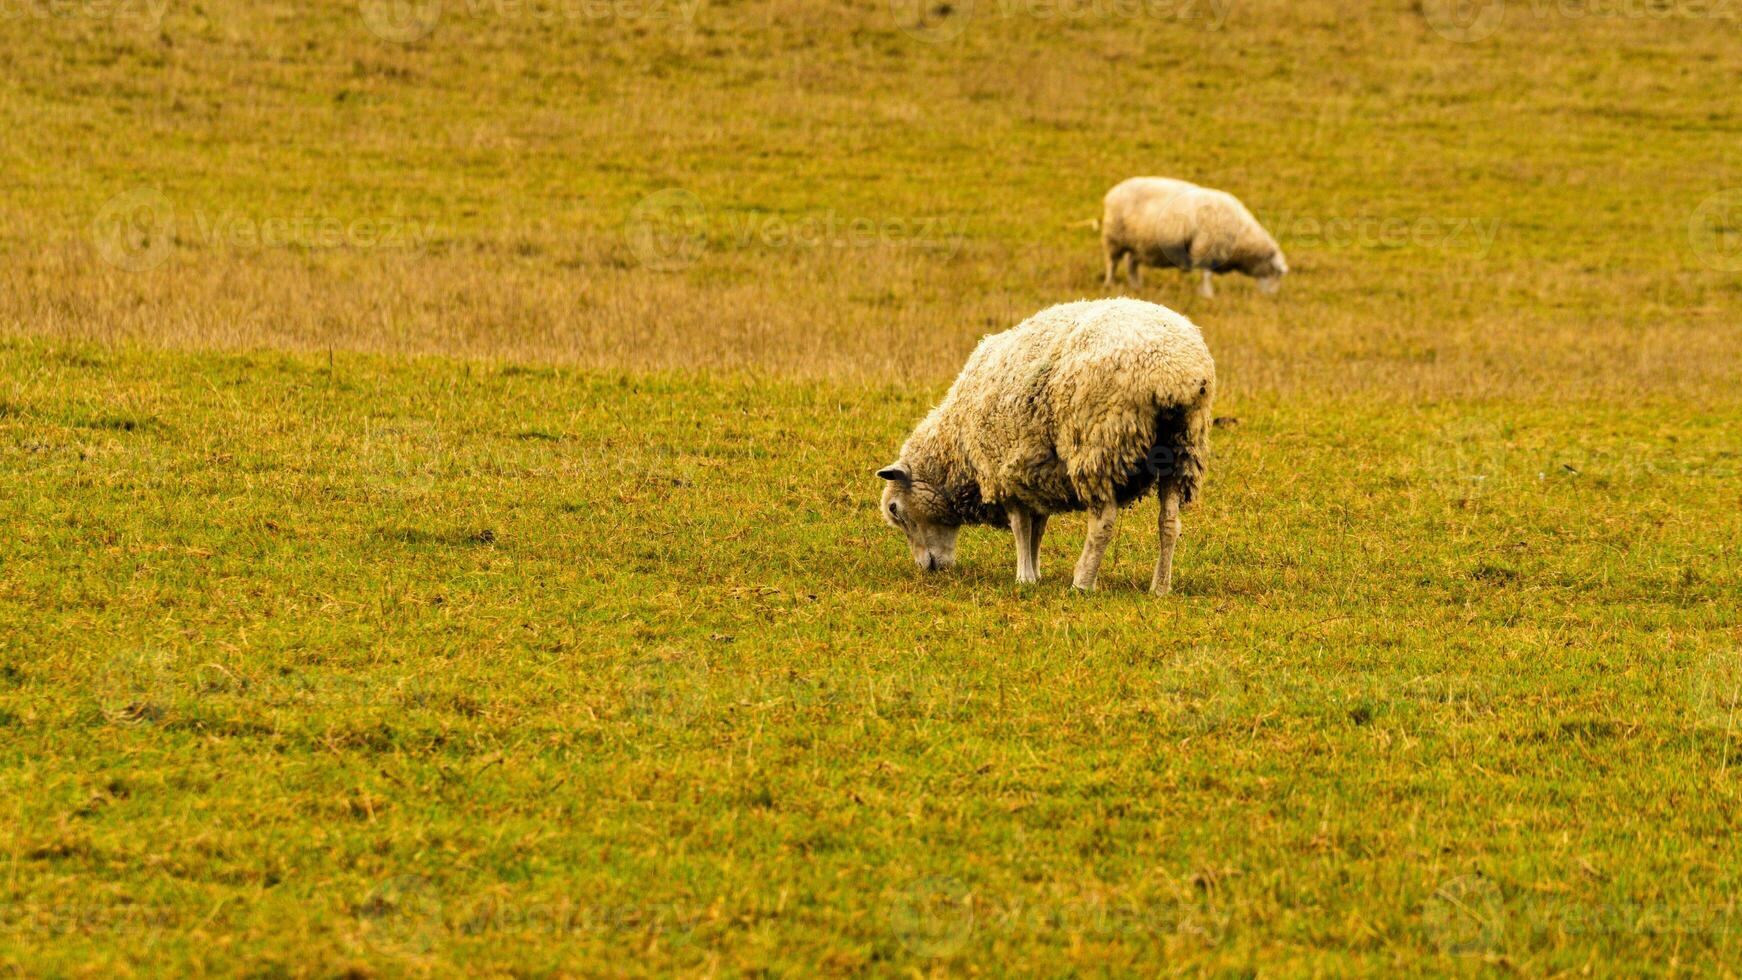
(1162, 222)
(1083, 406)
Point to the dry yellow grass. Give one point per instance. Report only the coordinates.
(1517, 216)
(1474, 332)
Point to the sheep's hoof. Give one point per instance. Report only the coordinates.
(1080, 587)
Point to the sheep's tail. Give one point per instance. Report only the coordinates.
(1190, 437)
(1094, 224)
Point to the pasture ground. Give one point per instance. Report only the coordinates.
(436, 466)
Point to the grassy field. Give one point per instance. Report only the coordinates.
(436, 444)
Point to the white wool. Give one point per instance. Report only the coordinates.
(1059, 413)
(1162, 222)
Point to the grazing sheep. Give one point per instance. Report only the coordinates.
(1162, 222)
(1083, 406)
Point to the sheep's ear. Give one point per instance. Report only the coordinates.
(896, 472)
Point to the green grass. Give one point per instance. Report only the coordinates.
(403, 575)
(313, 666)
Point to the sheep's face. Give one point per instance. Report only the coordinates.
(1269, 275)
(913, 506)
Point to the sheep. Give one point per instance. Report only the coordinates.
(1083, 406)
(1163, 222)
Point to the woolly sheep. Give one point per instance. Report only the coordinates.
(1083, 406)
(1163, 222)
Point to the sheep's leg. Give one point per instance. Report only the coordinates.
(1037, 527)
(1022, 526)
(1134, 271)
(1113, 257)
(1095, 545)
(1168, 524)
(1204, 288)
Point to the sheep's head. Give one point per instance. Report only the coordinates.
(917, 507)
(1269, 273)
